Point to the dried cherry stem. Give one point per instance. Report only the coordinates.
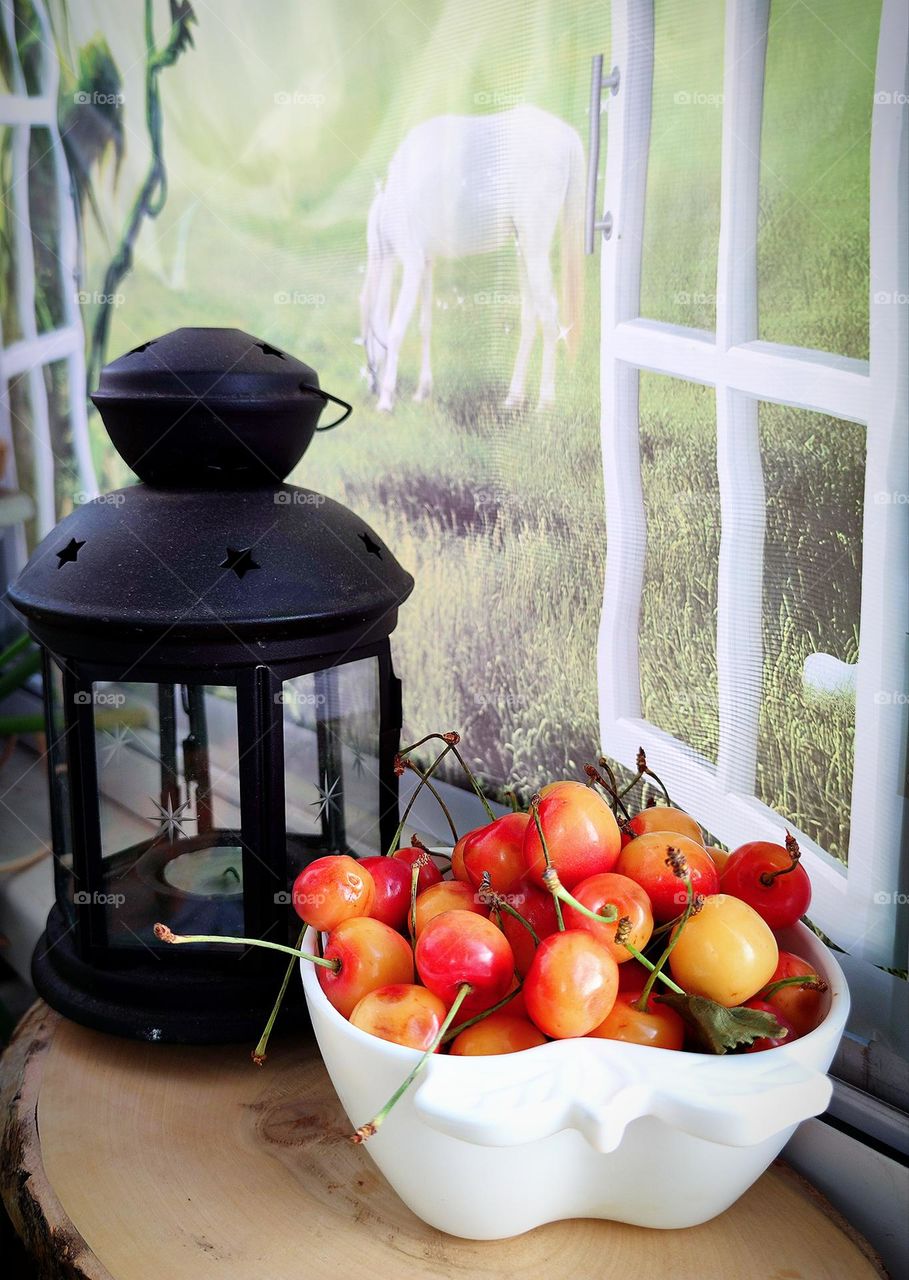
(610, 787)
(810, 981)
(451, 740)
(535, 813)
(367, 1130)
(795, 854)
(561, 894)
(644, 768)
(512, 798)
(498, 903)
(479, 1017)
(164, 934)
(680, 866)
(416, 868)
(259, 1053)
(424, 778)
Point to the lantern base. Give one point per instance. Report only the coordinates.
(154, 1001)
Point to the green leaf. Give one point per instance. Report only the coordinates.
(714, 1028)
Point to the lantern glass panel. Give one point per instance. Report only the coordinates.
(169, 793)
(331, 761)
(58, 765)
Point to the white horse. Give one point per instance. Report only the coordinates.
(461, 185)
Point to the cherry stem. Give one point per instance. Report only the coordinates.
(498, 903)
(535, 811)
(367, 1130)
(648, 964)
(657, 969)
(611, 787)
(412, 911)
(479, 1017)
(512, 798)
(767, 877)
(424, 778)
(259, 1053)
(451, 741)
(644, 768)
(810, 981)
(561, 894)
(164, 934)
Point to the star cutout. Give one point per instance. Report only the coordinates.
(114, 744)
(269, 350)
(327, 799)
(371, 545)
(170, 818)
(70, 552)
(240, 561)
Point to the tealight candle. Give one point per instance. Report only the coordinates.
(207, 873)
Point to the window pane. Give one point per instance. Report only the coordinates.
(168, 782)
(58, 770)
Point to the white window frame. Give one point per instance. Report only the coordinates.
(22, 112)
(857, 907)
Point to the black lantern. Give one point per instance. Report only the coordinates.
(221, 703)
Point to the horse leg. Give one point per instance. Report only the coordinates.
(424, 386)
(407, 296)
(515, 395)
(539, 273)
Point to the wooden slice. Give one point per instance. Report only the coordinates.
(157, 1160)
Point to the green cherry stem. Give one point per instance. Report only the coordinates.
(810, 981)
(412, 911)
(479, 1017)
(561, 894)
(535, 812)
(367, 1130)
(424, 778)
(259, 1053)
(451, 740)
(498, 903)
(164, 934)
(657, 969)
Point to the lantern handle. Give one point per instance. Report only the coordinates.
(326, 396)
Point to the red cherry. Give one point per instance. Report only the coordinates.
(572, 984)
(392, 881)
(429, 873)
(448, 895)
(372, 955)
(630, 902)
(402, 1013)
(499, 849)
(660, 1027)
(581, 833)
(802, 1007)
(458, 948)
(770, 1042)
(537, 906)
(332, 889)
(769, 878)
(644, 861)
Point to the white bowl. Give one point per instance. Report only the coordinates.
(490, 1147)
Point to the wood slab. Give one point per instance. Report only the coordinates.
(155, 1160)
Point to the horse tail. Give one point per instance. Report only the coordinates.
(572, 246)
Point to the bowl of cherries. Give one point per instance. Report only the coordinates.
(573, 1011)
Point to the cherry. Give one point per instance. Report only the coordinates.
(657, 1026)
(429, 872)
(402, 1013)
(801, 1006)
(459, 948)
(498, 849)
(571, 985)
(644, 860)
(631, 903)
(392, 881)
(787, 1031)
(499, 1033)
(726, 952)
(664, 817)
(581, 834)
(447, 895)
(458, 870)
(370, 954)
(331, 889)
(538, 909)
(769, 878)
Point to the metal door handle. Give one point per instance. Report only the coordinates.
(598, 83)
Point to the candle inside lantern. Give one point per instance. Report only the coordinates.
(207, 873)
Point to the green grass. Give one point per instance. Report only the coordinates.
(500, 516)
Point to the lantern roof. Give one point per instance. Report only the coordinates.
(214, 544)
